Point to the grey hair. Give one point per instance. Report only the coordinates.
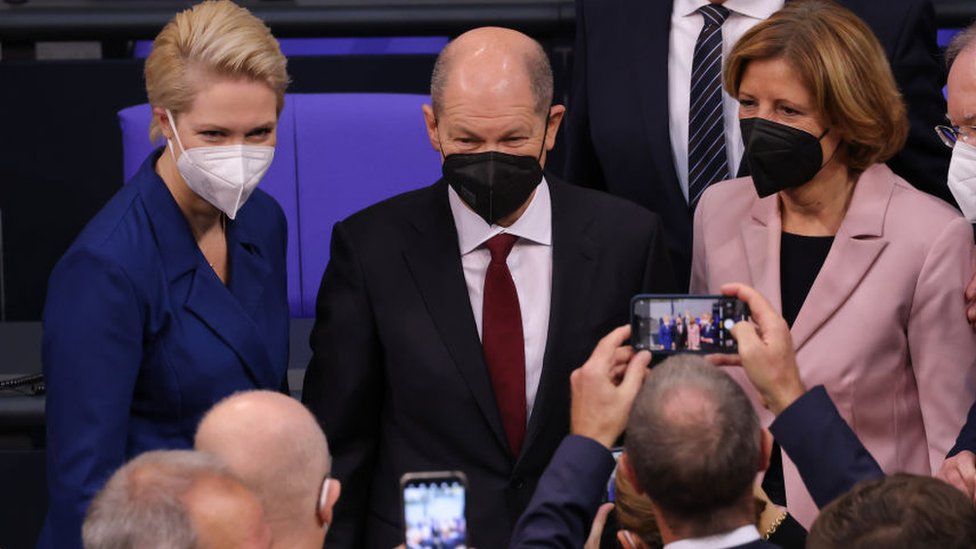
(536, 63)
(694, 440)
(141, 505)
(960, 43)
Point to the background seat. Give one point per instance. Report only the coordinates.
(336, 154)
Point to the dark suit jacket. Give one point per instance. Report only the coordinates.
(967, 437)
(618, 136)
(398, 380)
(141, 337)
(830, 458)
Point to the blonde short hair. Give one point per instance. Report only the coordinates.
(842, 65)
(216, 37)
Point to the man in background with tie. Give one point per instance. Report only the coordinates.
(450, 318)
(648, 119)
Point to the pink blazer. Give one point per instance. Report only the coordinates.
(884, 326)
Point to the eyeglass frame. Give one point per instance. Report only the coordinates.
(951, 134)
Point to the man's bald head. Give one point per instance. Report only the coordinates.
(961, 85)
(489, 59)
(277, 448)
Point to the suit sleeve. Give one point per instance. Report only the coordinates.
(967, 437)
(918, 69)
(567, 497)
(343, 384)
(92, 353)
(826, 452)
(582, 164)
(940, 340)
(658, 274)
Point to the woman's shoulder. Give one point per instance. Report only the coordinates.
(119, 231)
(918, 211)
(728, 200)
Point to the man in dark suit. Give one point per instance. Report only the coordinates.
(449, 318)
(648, 121)
(807, 423)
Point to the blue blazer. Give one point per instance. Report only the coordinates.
(141, 337)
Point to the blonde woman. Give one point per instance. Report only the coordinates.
(868, 271)
(174, 294)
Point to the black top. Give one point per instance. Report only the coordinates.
(800, 261)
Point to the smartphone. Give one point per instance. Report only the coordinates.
(611, 495)
(433, 510)
(678, 323)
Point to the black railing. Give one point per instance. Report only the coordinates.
(34, 20)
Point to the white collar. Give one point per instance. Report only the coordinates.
(740, 536)
(755, 9)
(535, 223)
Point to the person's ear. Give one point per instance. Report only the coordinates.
(162, 120)
(627, 469)
(765, 449)
(430, 121)
(556, 114)
(330, 495)
(629, 540)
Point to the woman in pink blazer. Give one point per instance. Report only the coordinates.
(871, 270)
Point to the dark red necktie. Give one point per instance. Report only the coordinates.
(503, 342)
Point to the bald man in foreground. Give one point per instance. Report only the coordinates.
(276, 447)
(450, 318)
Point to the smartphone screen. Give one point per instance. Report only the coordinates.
(611, 494)
(671, 324)
(433, 510)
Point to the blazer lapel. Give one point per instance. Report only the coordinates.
(573, 262)
(857, 245)
(212, 302)
(434, 261)
(652, 35)
(761, 233)
(249, 269)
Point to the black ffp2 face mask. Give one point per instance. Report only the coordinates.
(494, 184)
(780, 157)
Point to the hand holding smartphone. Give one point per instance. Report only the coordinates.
(433, 510)
(667, 324)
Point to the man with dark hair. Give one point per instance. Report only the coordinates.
(450, 318)
(694, 446)
(904, 511)
(826, 451)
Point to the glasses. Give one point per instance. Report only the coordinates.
(950, 134)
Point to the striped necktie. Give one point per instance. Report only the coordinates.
(707, 157)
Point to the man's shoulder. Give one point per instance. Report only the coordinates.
(392, 212)
(601, 204)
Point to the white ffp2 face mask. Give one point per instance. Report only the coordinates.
(224, 176)
(962, 178)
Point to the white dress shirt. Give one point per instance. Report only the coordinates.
(530, 263)
(686, 25)
(740, 536)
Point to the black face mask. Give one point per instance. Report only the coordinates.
(780, 157)
(494, 184)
